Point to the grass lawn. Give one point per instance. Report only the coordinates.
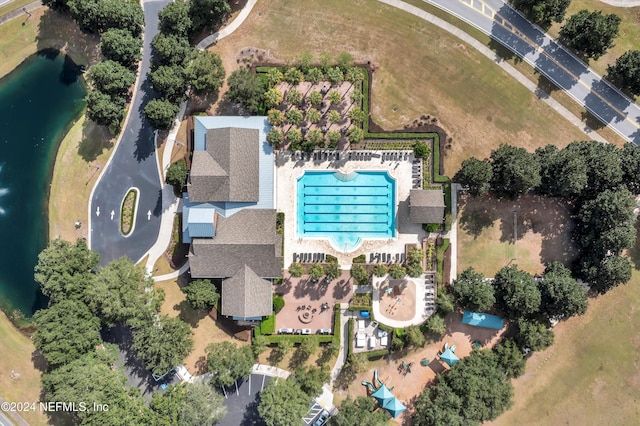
(591, 374)
(16, 350)
(433, 73)
(13, 5)
(486, 232)
(205, 329)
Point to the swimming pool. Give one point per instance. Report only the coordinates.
(345, 208)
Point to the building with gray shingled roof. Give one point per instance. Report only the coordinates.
(426, 206)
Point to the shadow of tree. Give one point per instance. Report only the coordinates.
(634, 252)
(95, 140)
(275, 357)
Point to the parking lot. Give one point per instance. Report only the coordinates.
(242, 401)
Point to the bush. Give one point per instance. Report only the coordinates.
(359, 274)
(432, 227)
(278, 304)
(397, 272)
(268, 325)
(296, 270)
(360, 259)
(380, 270)
(177, 175)
(421, 149)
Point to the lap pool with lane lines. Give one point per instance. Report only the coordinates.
(345, 208)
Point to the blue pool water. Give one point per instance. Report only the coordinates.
(346, 208)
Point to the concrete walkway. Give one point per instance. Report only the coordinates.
(622, 3)
(484, 50)
(20, 12)
(345, 339)
(213, 38)
(268, 370)
(453, 234)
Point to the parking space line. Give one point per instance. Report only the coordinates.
(263, 377)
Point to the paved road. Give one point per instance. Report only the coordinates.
(133, 164)
(509, 28)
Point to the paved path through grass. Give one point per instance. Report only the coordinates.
(18, 12)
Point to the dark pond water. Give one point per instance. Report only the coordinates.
(39, 101)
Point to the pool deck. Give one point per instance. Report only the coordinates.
(289, 169)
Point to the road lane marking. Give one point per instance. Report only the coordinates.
(98, 211)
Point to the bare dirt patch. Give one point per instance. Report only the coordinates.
(398, 299)
(487, 226)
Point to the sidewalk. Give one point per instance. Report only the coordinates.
(19, 12)
(213, 38)
(484, 50)
(622, 3)
(345, 339)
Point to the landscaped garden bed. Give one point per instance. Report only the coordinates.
(128, 211)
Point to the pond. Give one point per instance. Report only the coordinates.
(39, 101)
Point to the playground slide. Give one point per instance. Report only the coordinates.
(370, 386)
(376, 378)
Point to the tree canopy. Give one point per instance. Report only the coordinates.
(515, 171)
(517, 294)
(207, 14)
(188, 404)
(476, 175)
(104, 110)
(161, 113)
(311, 379)
(170, 82)
(590, 33)
(163, 343)
(205, 72)
(102, 15)
(175, 19)
(170, 49)
(359, 412)
(202, 294)
(228, 362)
(533, 334)
(543, 12)
(625, 73)
(121, 46)
(561, 294)
(283, 403)
(472, 291)
(246, 88)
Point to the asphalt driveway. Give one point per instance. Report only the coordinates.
(134, 164)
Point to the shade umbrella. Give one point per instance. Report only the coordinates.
(449, 357)
(394, 407)
(382, 395)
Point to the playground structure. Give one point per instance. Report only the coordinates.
(384, 397)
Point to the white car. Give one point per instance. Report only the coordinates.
(285, 331)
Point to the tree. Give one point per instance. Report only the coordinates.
(414, 336)
(314, 98)
(438, 405)
(313, 115)
(272, 97)
(630, 157)
(284, 347)
(122, 292)
(354, 75)
(167, 406)
(205, 72)
(358, 362)
(175, 19)
(169, 82)
(316, 271)
(170, 49)
(121, 46)
(246, 88)
(314, 75)
(294, 137)
(334, 97)
(104, 110)
(380, 270)
(202, 405)
(603, 164)
(533, 334)
(563, 173)
(517, 294)
(316, 138)
(476, 175)
(177, 175)
(515, 171)
(163, 343)
(274, 77)
(626, 72)
(228, 362)
(308, 347)
(510, 358)
(325, 60)
(359, 412)
(446, 301)
(275, 138)
(202, 294)
(543, 12)
(294, 116)
(436, 325)
(356, 96)
(296, 270)
(334, 116)
(355, 135)
(333, 136)
(561, 295)
(283, 403)
(472, 291)
(335, 75)
(344, 61)
(421, 149)
(332, 270)
(397, 272)
(207, 14)
(161, 113)
(102, 15)
(293, 76)
(357, 115)
(66, 331)
(294, 96)
(414, 270)
(359, 274)
(64, 270)
(275, 117)
(92, 378)
(609, 273)
(590, 33)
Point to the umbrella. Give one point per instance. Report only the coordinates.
(382, 395)
(449, 357)
(394, 407)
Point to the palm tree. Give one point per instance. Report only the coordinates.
(313, 116)
(316, 271)
(294, 96)
(275, 117)
(315, 75)
(274, 77)
(356, 96)
(334, 116)
(275, 138)
(316, 138)
(335, 76)
(356, 115)
(296, 270)
(354, 75)
(272, 97)
(293, 76)
(294, 116)
(314, 98)
(355, 135)
(294, 137)
(334, 138)
(332, 270)
(334, 97)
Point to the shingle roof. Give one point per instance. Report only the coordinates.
(246, 295)
(246, 238)
(426, 206)
(227, 170)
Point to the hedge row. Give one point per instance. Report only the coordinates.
(337, 327)
(349, 337)
(296, 338)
